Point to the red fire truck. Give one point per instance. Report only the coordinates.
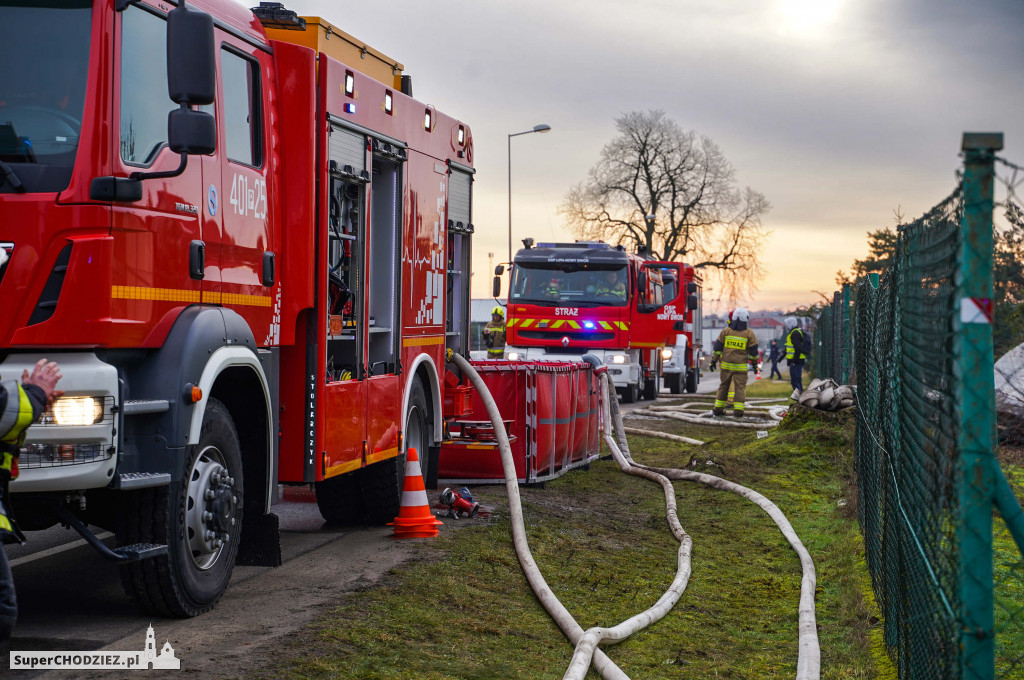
(248, 249)
(681, 359)
(570, 299)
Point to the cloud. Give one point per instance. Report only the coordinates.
(838, 116)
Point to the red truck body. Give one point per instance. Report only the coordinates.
(275, 309)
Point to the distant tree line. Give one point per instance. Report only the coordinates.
(1007, 273)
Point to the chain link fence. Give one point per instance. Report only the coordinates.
(942, 524)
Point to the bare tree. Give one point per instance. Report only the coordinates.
(663, 189)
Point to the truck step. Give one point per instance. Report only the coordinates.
(127, 481)
(139, 551)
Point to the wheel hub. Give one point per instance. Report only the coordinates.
(211, 507)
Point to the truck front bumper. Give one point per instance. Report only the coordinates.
(622, 374)
(67, 452)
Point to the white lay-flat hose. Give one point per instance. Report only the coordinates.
(809, 662)
(559, 614)
(587, 646)
(808, 665)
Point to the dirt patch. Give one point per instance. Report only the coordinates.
(242, 633)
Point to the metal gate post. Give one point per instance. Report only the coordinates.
(976, 406)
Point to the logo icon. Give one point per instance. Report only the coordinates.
(211, 201)
(102, 660)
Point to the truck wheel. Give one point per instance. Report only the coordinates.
(200, 520)
(630, 393)
(340, 500)
(651, 386)
(673, 381)
(691, 380)
(382, 483)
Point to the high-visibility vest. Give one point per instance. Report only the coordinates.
(17, 415)
(791, 350)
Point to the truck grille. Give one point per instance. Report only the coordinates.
(573, 337)
(51, 291)
(60, 455)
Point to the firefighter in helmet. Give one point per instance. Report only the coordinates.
(551, 288)
(494, 334)
(735, 347)
(20, 405)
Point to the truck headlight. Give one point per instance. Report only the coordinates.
(618, 358)
(78, 410)
(666, 353)
(513, 356)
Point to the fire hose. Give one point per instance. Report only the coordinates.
(586, 642)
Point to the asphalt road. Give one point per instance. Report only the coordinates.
(70, 598)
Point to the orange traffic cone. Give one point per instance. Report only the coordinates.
(414, 517)
(758, 377)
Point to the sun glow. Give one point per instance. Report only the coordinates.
(808, 16)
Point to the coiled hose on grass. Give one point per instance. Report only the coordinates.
(587, 650)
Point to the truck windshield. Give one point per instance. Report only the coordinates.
(584, 285)
(44, 64)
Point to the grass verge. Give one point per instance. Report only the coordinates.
(463, 609)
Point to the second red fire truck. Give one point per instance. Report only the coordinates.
(570, 299)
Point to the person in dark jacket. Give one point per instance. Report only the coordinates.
(20, 406)
(773, 356)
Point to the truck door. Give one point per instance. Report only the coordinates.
(150, 282)
(363, 284)
(342, 324)
(236, 230)
(660, 304)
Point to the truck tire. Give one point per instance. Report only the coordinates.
(340, 500)
(199, 519)
(691, 380)
(651, 386)
(381, 483)
(630, 393)
(674, 382)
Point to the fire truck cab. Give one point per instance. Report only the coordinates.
(570, 299)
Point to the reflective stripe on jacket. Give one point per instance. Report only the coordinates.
(735, 347)
(19, 411)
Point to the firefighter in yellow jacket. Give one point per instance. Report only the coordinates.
(20, 405)
(735, 346)
(494, 334)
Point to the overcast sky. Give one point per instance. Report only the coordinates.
(838, 111)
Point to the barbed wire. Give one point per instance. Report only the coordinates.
(1012, 182)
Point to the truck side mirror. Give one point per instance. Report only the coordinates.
(191, 74)
(691, 287)
(191, 132)
(499, 270)
(191, 80)
(691, 302)
(496, 287)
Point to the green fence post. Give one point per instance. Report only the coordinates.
(976, 406)
(844, 377)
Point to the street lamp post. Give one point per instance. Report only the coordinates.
(536, 128)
